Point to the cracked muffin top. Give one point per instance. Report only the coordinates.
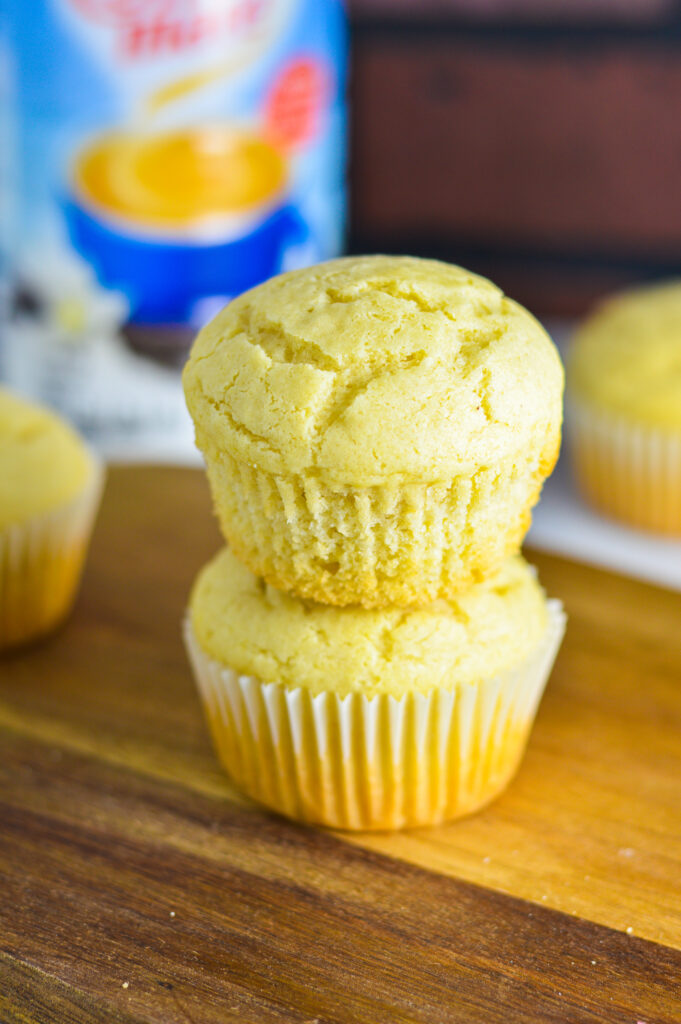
(242, 622)
(367, 369)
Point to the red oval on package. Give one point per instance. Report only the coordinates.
(295, 102)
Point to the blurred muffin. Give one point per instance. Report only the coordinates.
(375, 429)
(624, 376)
(49, 491)
(370, 718)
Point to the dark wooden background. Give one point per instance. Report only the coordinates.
(537, 143)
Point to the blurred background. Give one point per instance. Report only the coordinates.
(536, 143)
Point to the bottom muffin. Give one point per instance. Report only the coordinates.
(371, 719)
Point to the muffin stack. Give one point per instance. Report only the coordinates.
(371, 647)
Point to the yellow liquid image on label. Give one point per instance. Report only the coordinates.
(177, 178)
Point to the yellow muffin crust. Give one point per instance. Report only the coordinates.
(626, 359)
(254, 629)
(43, 462)
(367, 369)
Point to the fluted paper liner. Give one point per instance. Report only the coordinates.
(40, 565)
(627, 471)
(374, 763)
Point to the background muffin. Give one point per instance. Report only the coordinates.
(50, 486)
(375, 429)
(370, 718)
(624, 378)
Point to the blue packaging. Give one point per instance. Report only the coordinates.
(165, 156)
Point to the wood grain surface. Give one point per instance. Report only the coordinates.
(137, 885)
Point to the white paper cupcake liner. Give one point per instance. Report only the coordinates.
(630, 472)
(374, 763)
(41, 562)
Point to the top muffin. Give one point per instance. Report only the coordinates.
(626, 359)
(43, 462)
(375, 429)
(373, 368)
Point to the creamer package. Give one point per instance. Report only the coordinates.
(159, 157)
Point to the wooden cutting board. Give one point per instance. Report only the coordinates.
(136, 885)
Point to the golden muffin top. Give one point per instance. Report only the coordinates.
(43, 462)
(245, 624)
(626, 358)
(372, 368)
